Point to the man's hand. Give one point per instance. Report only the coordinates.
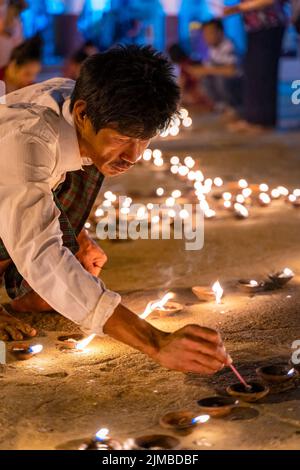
(90, 255)
(13, 328)
(192, 349)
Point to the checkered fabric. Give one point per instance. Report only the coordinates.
(74, 198)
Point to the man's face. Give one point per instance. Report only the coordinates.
(212, 35)
(26, 74)
(112, 153)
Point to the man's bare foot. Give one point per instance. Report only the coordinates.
(13, 328)
(30, 302)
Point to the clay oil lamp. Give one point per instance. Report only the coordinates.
(206, 295)
(217, 407)
(70, 341)
(250, 286)
(275, 374)
(256, 391)
(101, 441)
(75, 341)
(23, 352)
(282, 277)
(163, 306)
(241, 212)
(152, 442)
(182, 420)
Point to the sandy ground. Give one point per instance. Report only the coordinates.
(58, 398)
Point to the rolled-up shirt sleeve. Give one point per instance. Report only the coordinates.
(30, 230)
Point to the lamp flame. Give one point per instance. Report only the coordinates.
(200, 419)
(218, 291)
(102, 434)
(291, 372)
(83, 344)
(157, 304)
(287, 272)
(35, 349)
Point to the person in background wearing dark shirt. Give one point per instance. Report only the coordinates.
(24, 65)
(265, 22)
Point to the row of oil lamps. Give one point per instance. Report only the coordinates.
(209, 407)
(184, 421)
(166, 305)
(236, 197)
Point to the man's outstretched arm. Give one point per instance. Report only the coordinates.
(190, 349)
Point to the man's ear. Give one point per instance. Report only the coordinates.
(79, 114)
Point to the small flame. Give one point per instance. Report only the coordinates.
(218, 291)
(200, 419)
(157, 304)
(102, 434)
(291, 372)
(287, 272)
(36, 348)
(83, 344)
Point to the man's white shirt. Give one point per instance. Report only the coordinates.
(38, 146)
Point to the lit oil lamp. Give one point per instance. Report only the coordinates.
(75, 341)
(255, 392)
(182, 420)
(206, 295)
(162, 306)
(152, 442)
(101, 441)
(241, 212)
(23, 352)
(218, 291)
(264, 199)
(217, 407)
(251, 286)
(277, 373)
(282, 277)
(294, 200)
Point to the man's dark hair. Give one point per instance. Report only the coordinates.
(129, 88)
(28, 51)
(218, 24)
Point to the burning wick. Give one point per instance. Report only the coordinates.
(218, 291)
(83, 344)
(23, 353)
(287, 272)
(156, 305)
(37, 348)
(200, 419)
(102, 434)
(247, 387)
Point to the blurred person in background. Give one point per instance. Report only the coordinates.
(265, 22)
(184, 69)
(11, 31)
(24, 65)
(220, 72)
(73, 65)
